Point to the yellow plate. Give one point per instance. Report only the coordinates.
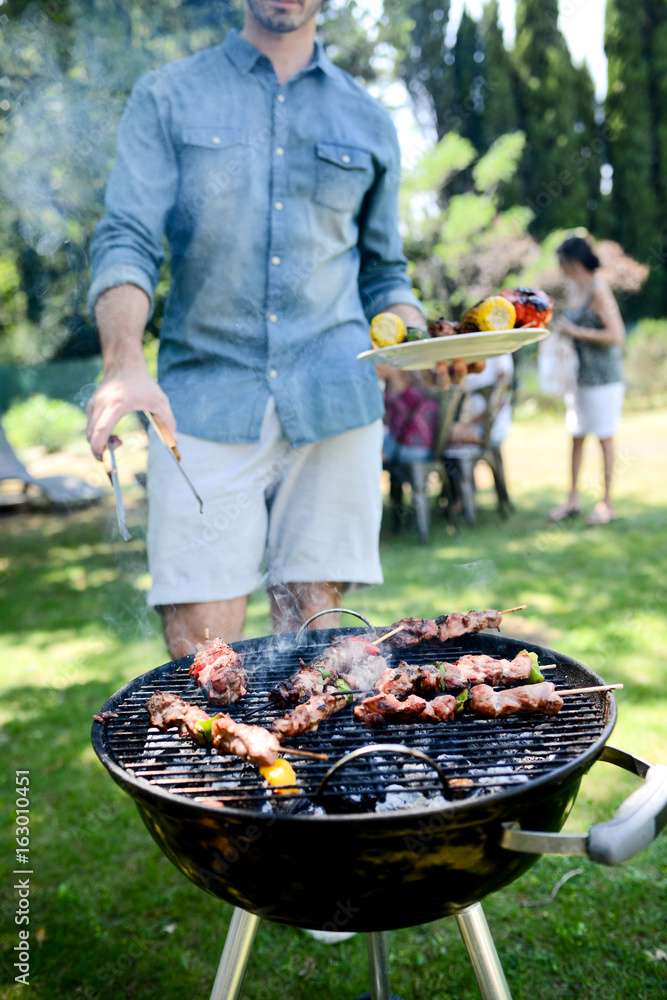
(420, 354)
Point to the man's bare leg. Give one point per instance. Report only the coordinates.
(293, 603)
(186, 624)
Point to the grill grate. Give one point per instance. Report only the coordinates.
(493, 755)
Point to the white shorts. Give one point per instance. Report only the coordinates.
(272, 514)
(594, 409)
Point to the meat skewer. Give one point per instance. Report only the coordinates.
(218, 670)
(306, 717)
(482, 700)
(351, 661)
(432, 678)
(382, 708)
(448, 626)
(253, 743)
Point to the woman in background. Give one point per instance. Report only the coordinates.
(593, 320)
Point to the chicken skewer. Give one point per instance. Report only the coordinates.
(448, 626)
(252, 743)
(433, 678)
(481, 699)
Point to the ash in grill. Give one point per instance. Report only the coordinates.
(480, 757)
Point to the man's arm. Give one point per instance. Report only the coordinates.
(121, 314)
(127, 252)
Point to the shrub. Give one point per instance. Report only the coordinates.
(51, 423)
(646, 360)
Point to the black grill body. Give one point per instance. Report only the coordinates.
(355, 871)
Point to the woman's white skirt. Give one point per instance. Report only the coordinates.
(594, 409)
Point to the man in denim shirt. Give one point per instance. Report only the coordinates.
(274, 178)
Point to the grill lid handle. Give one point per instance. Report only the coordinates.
(328, 611)
(372, 748)
(636, 823)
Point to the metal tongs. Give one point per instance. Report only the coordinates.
(111, 469)
(169, 441)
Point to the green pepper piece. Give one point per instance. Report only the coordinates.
(442, 670)
(415, 333)
(461, 699)
(204, 727)
(535, 675)
(342, 685)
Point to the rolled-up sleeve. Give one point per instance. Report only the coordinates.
(128, 244)
(383, 277)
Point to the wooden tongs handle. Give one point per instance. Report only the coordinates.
(164, 434)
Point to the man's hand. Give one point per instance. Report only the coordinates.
(122, 392)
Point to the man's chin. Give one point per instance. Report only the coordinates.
(274, 18)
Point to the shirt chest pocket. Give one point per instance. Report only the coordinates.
(214, 161)
(343, 175)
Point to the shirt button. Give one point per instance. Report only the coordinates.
(273, 373)
(280, 151)
(345, 158)
(281, 98)
(276, 261)
(273, 318)
(278, 206)
(216, 140)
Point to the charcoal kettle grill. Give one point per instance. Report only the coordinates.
(423, 820)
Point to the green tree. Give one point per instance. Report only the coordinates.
(555, 169)
(633, 149)
(466, 101)
(657, 35)
(500, 109)
(417, 31)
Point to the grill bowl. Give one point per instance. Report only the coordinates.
(362, 871)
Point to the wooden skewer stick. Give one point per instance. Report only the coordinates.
(590, 690)
(510, 611)
(288, 752)
(388, 635)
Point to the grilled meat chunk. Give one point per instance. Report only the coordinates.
(300, 686)
(442, 709)
(418, 630)
(218, 669)
(382, 708)
(252, 743)
(167, 710)
(529, 698)
(306, 718)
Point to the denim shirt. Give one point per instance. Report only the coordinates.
(280, 205)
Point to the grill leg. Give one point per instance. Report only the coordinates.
(235, 955)
(482, 952)
(377, 966)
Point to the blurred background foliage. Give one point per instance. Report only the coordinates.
(521, 149)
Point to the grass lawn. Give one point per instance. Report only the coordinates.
(111, 917)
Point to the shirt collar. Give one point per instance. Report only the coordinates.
(244, 55)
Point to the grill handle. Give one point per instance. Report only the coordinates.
(328, 611)
(373, 748)
(636, 823)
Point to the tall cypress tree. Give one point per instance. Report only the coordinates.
(589, 141)
(553, 169)
(468, 82)
(657, 42)
(499, 93)
(418, 29)
(632, 141)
